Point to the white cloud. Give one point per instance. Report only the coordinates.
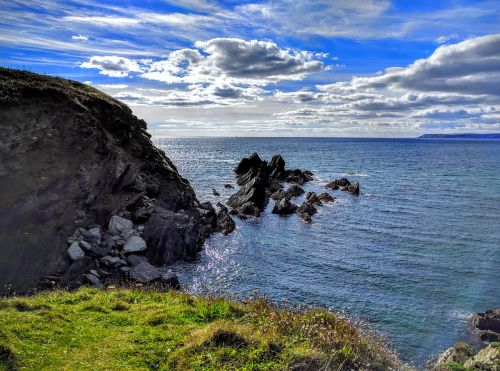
(103, 21)
(113, 66)
(80, 37)
(445, 38)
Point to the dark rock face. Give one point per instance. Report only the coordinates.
(225, 224)
(326, 197)
(353, 188)
(295, 191)
(488, 324)
(284, 207)
(260, 181)
(73, 156)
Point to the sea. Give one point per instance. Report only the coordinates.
(414, 255)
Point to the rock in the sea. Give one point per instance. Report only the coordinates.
(294, 191)
(134, 244)
(119, 226)
(306, 210)
(215, 192)
(488, 324)
(326, 197)
(277, 167)
(353, 188)
(313, 198)
(252, 193)
(144, 272)
(339, 183)
(279, 194)
(284, 207)
(75, 252)
(112, 261)
(225, 224)
(248, 163)
(228, 186)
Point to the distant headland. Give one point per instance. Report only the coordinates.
(460, 136)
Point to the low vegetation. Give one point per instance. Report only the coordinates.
(118, 329)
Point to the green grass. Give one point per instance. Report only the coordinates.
(118, 329)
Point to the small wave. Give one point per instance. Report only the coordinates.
(353, 173)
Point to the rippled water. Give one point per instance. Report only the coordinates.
(414, 254)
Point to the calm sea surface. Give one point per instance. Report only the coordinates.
(415, 254)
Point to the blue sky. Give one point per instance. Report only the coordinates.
(273, 68)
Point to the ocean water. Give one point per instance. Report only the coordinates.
(414, 255)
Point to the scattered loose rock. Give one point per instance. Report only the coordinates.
(75, 252)
(284, 207)
(144, 272)
(326, 197)
(134, 244)
(295, 191)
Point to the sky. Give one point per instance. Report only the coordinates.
(333, 68)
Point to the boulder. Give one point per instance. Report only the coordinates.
(306, 210)
(134, 244)
(144, 272)
(134, 259)
(353, 188)
(92, 279)
(313, 198)
(225, 224)
(326, 197)
(75, 252)
(294, 191)
(284, 207)
(339, 183)
(119, 226)
(215, 192)
(279, 194)
(112, 261)
(93, 236)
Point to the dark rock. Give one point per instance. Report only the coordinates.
(223, 338)
(225, 224)
(306, 210)
(336, 184)
(298, 176)
(119, 226)
(134, 244)
(489, 336)
(93, 236)
(253, 192)
(277, 167)
(326, 197)
(294, 191)
(353, 188)
(222, 207)
(136, 259)
(75, 252)
(279, 194)
(112, 261)
(488, 321)
(214, 191)
(313, 198)
(170, 281)
(284, 207)
(73, 277)
(248, 163)
(93, 280)
(229, 186)
(94, 159)
(144, 272)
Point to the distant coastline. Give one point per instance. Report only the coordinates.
(460, 136)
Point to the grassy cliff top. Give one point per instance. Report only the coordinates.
(118, 329)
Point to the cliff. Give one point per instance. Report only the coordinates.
(72, 156)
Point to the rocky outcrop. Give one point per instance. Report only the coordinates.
(463, 357)
(260, 181)
(72, 156)
(284, 207)
(488, 325)
(345, 185)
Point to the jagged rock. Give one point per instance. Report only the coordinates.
(284, 207)
(112, 261)
(313, 198)
(215, 192)
(144, 272)
(253, 192)
(294, 191)
(134, 244)
(136, 259)
(336, 184)
(306, 210)
(93, 280)
(225, 224)
(73, 277)
(176, 235)
(222, 207)
(229, 186)
(277, 166)
(326, 197)
(119, 226)
(248, 163)
(279, 194)
(75, 252)
(298, 176)
(93, 235)
(488, 324)
(353, 188)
